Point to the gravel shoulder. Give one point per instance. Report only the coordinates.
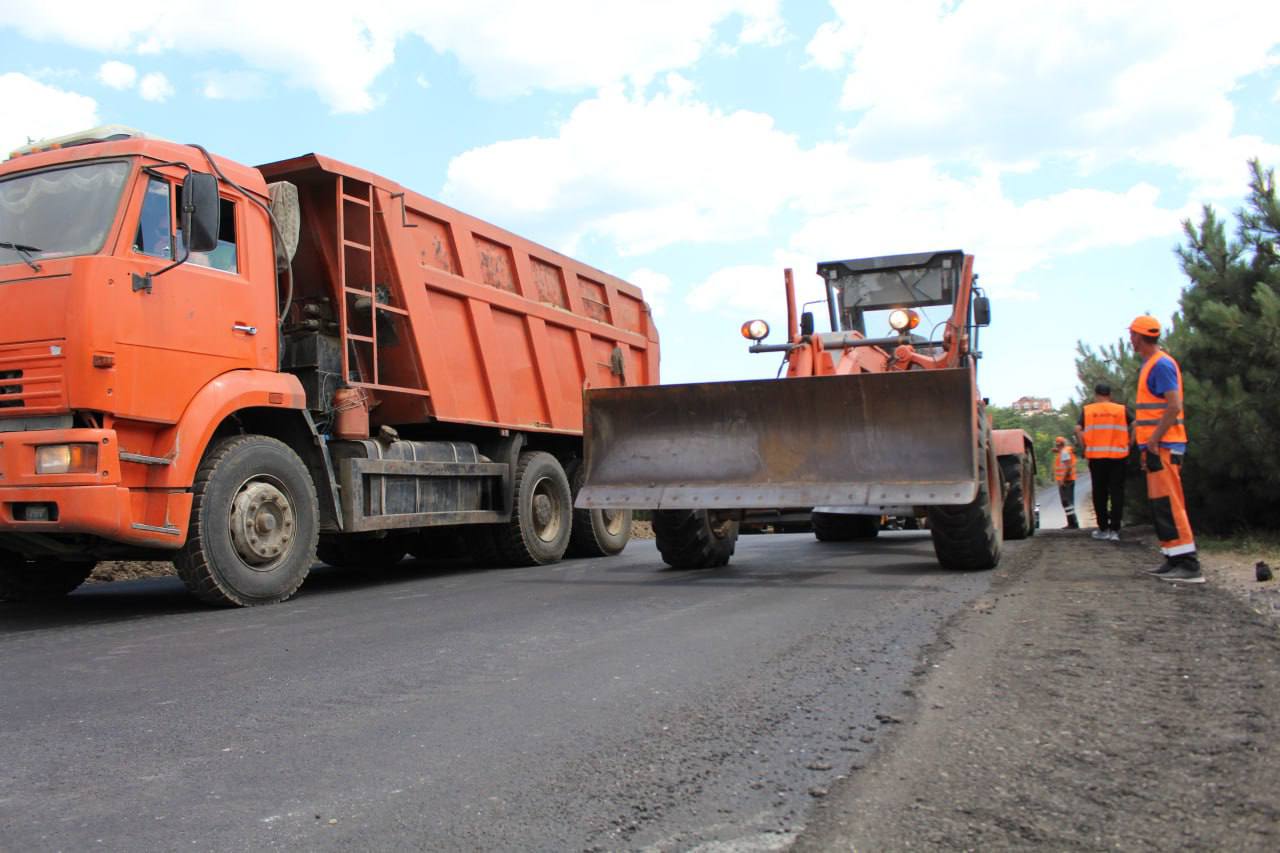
(1080, 705)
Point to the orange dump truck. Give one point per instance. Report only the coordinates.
(238, 368)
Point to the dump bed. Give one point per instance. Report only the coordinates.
(443, 316)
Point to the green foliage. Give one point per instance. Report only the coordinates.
(1227, 341)
(1042, 428)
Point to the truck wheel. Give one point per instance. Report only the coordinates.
(967, 538)
(596, 532)
(542, 516)
(254, 524)
(692, 539)
(836, 527)
(1019, 508)
(40, 579)
(368, 554)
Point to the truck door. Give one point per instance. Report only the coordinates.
(198, 320)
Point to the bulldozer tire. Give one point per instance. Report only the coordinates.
(363, 555)
(596, 532)
(541, 515)
(40, 579)
(1019, 508)
(691, 539)
(837, 527)
(967, 538)
(254, 524)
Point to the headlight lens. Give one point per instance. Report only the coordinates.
(66, 458)
(755, 330)
(903, 319)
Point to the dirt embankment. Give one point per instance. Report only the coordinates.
(1081, 705)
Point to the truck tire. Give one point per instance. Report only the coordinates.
(837, 527)
(365, 555)
(541, 515)
(254, 524)
(1019, 501)
(596, 532)
(41, 579)
(691, 539)
(968, 538)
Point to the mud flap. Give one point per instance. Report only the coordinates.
(876, 438)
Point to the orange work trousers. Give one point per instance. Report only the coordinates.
(1168, 509)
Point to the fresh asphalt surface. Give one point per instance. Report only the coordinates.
(592, 704)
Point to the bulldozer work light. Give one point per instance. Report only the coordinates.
(66, 458)
(903, 320)
(755, 330)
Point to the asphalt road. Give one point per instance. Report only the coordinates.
(593, 704)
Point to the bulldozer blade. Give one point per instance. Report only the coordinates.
(905, 438)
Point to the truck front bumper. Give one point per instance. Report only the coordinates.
(90, 502)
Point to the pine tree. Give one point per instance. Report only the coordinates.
(1228, 344)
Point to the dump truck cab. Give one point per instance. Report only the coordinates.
(113, 325)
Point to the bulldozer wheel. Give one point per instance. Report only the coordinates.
(837, 527)
(968, 538)
(596, 532)
(692, 539)
(254, 524)
(1019, 510)
(542, 515)
(40, 579)
(367, 555)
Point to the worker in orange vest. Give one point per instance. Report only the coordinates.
(1104, 431)
(1162, 439)
(1064, 473)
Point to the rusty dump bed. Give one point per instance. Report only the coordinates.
(444, 317)
(856, 440)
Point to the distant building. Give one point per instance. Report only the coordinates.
(1027, 406)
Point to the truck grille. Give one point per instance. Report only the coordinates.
(32, 378)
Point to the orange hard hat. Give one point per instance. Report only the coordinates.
(1146, 325)
(1060, 440)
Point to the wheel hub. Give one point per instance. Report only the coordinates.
(262, 524)
(612, 519)
(546, 510)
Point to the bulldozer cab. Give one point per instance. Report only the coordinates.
(862, 293)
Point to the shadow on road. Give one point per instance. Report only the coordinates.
(119, 601)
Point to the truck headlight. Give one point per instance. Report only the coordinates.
(66, 458)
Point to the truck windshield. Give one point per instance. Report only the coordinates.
(59, 212)
(866, 298)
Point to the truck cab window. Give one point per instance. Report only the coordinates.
(225, 256)
(154, 236)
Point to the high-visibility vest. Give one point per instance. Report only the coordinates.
(1106, 433)
(1151, 408)
(1064, 470)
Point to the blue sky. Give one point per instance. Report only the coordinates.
(698, 147)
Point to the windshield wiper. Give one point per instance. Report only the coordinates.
(24, 251)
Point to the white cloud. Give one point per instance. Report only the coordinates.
(758, 290)
(233, 85)
(1094, 80)
(34, 110)
(656, 287)
(155, 87)
(338, 49)
(117, 75)
(641, 172)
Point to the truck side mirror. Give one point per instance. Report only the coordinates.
(981, 311)
(806, 323)
(200, 209)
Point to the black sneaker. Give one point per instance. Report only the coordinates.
(1162, 569)
(1183, 574)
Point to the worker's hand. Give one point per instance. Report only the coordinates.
(1151, 461)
